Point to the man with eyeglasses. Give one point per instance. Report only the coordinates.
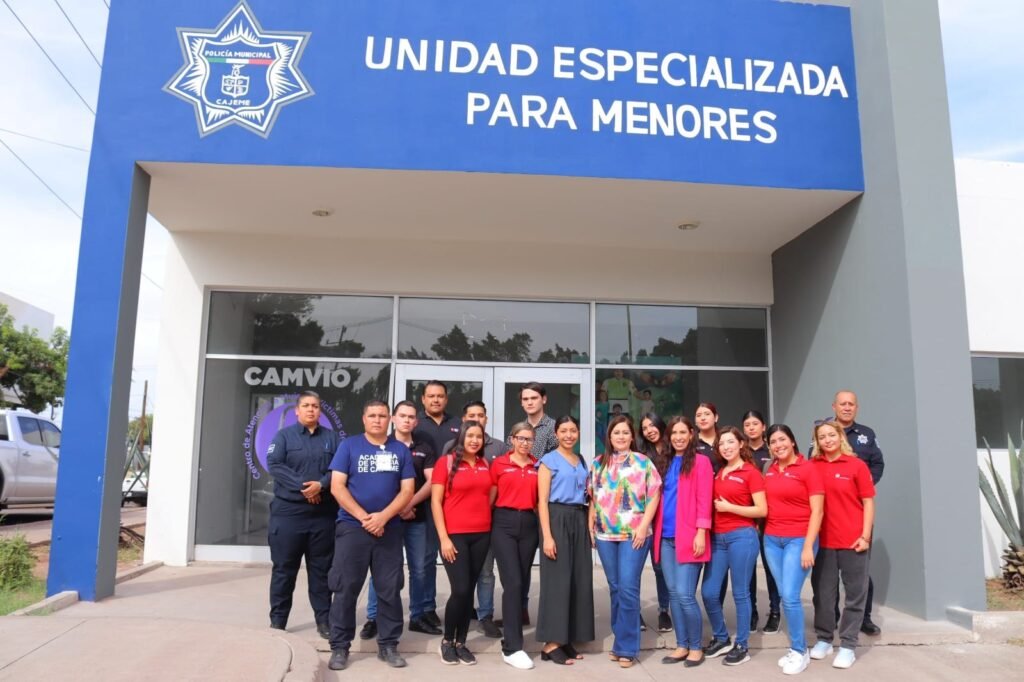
(476, 411)
(864, 442)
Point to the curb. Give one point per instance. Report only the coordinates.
(989, 626)
(56, 602)
(137, 571)
(305, 663)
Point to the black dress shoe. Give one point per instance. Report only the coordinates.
(339, 659)
(421, 625)
(324, 630)
(390, 655)
(432, 618)
(489, 628)
(369, 630)
(869, 628)
(276, 625)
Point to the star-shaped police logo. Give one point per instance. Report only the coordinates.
(239, 74)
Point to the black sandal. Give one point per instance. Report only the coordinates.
(571, 652)
(556, 655)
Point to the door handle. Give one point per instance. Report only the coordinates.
(26, 453)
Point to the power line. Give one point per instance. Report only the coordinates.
(43, 49)
(107, 3)
(75, 29)
(39, 177)
(43, 139)
(151, 281)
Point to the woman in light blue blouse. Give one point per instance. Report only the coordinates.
(566, 607)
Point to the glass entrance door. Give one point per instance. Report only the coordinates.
(464, 384)
(569, 391)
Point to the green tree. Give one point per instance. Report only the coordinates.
(135, 425)
(30, 367)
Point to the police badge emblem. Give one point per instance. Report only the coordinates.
(862, 439)
(239, 74)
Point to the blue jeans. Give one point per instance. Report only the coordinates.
(485, 589)
(681, 580)
(736, 552)
(623, 567)
(659, 582)
(784, 561)
(415, 538)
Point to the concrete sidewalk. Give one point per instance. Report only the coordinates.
(210, 622)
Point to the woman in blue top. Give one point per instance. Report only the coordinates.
(566, 570)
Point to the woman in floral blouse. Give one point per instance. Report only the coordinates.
(626, 488)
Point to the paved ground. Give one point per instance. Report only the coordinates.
(209, 622)
(956, 663)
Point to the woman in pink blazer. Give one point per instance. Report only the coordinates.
(681, 530)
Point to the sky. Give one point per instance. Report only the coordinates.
(39, 234)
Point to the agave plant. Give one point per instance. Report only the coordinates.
(1008, 508)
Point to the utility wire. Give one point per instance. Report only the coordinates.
(39, 178)
(105, 2)
(75, 29)
(43, 49)
(43, 139)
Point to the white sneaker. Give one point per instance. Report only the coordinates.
(785, 659)
(797, 664)
(844, 659)
(518, 659)
(821, 650)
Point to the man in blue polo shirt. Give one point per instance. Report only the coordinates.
(372, 479)
(302, 512)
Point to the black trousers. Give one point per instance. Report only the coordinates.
(291, 538)
(774, 600)
(355, 552)
(565, 613)
(462, 576)
(514, 536)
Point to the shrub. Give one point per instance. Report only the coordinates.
(16, 562)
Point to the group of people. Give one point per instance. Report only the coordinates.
(698, 498)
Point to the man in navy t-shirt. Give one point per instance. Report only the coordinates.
(373, 480)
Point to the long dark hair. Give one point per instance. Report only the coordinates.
(745, 453)
(460, 448)
(657, 452)
(569, 419)
(690, 453)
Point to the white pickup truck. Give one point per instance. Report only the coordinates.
(29, 452)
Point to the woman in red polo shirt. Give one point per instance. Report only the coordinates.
(845, 539)
(795, 501)
(461, 494)
(739, 499)
(514, 535)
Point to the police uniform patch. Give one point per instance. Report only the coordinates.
(862, 439)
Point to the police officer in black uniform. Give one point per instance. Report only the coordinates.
(302, 513)
(865, 444)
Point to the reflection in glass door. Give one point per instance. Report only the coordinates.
(569, 391)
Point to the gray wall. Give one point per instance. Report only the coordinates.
(872, 299)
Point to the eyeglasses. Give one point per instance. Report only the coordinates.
(522, 439)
